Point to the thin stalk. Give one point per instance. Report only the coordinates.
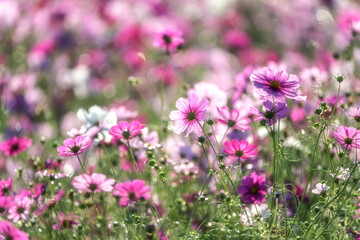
(133, 159)
(82, 167)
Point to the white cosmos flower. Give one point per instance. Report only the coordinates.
(100, 119)
(320, 188)
(256, 212)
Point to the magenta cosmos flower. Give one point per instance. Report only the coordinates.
(233, 119)
(276, 84)
(125, 130)
(253, 189)
(95, 182)
(20, 209)
(5, 186)
(131, 192)
(74, 147)
(169, 39)
(349, 137)
(240, 149)
(271, 113)
(8, 231)
(15, 145)
(191, 112)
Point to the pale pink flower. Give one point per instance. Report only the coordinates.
(74, 147)
(190, 113)
(95, 182)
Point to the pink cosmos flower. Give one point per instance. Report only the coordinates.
(276, 84)
(15, 145)
(20, 209)
(233, 120)
(125, 130)
(8, 231)
(5, 204)
(131, 192)
(349, 137)
(74, 147)
(253, 189)
(353, 112)
(95, 182)
(191, 112)
(240, 149)
(5, 186)
(169, 39)
(271, 113)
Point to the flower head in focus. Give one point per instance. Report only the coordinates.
(190, 113)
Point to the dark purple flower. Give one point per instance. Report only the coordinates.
(271, 113)
(253, 189)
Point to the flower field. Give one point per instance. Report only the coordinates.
(193, 119)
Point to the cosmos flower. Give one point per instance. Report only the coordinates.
(8, 231)
(253, 189)
(5, 204)
(349, 137)
(271, 113)
(20, 209)
(131, 192)
(320, 189)
(95, 182)
(276, 84)
(125, 130)
(5, 186)
(233, 119)
(190, 113)
(255, 212)
(169, 39)
(73, 147)
(99, 119)
(353, 112)
(240, 149)
(15, 145)
(50, 203)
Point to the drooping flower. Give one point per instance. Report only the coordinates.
(169, 39)
(131, 192)
(271, 112)
(5, 186)
(125, 130)
(320, 189)
(241, 150)
(50, 203)
(15, 145)
(253, 189)
(233, 119)
(20, 209)
(73, 147)
(67, 221)
(349, 137)
(8, 231)
(190, 113)
(276, 84)
(95, 182)
(255, 212)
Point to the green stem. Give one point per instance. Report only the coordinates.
(82, 167)
(133, 159)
